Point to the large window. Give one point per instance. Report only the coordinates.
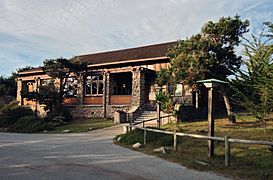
(70, 87)
(47, 82)
(121, 83)
(94, 85)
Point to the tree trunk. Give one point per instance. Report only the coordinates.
(231, 117)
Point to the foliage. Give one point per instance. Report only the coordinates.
(166, 101)
(12, 112)
(210, 54)
(61, 69)
(254, 87)
(47, 95)
(136, 135)
(29, 124)
(8, 86)
(24, 68)
(58, 115)
(255, 161)
(164, 76)
(52, 94)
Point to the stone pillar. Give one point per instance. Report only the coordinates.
(36, 84)
(19, 89)
(106, 92)
(138, 87)
(80, 88)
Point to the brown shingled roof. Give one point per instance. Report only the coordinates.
(119, 56)
(143, 53)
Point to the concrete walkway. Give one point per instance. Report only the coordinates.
(82, 156)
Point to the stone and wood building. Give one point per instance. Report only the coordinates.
(121, 80)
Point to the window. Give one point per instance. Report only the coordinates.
(46, 82)
(178, 90)
(94, 85)
(30, 86)
(122, 89)
(70, 87)
(121, 83)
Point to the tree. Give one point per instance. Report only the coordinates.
(47, 95)
(209, 54)
(254, 86)
(60, 70)
(8, 86)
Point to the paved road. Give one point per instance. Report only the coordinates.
(82, 156)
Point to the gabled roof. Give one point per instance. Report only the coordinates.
(156, 51)
(138, 54)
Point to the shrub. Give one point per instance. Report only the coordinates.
(132, 137)
(12, 112)
(153, 138)
(29, 124)
(58, 116)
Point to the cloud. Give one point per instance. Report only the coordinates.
(32, 30)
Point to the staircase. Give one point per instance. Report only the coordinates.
(146, 115)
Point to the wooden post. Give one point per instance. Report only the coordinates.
(227, 151)
(174, 140)
(158, 114)
(210, 122)
(196, 101)
(145, 134)
(130, 121)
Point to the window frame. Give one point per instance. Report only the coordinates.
(74, 83)
(94, 78)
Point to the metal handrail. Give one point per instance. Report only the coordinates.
(150, 120)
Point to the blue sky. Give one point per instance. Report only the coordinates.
(34, 30)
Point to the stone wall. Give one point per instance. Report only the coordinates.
(138, 87)
(107, 110)
(95, 110)
(86, 111)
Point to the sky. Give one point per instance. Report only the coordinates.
(34, 30)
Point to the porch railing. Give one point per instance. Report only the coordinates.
(120, 99)
(70, 101)
(28, 102)
(92, 100)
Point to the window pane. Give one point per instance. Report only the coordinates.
(71, 86)
(100, 77)
(94, 78)
(94, 88)
(87, 89)
(100, 88)
(178, 90)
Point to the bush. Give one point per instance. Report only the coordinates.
(153, 138)
(58, 115)
(132, 137)
(12, 112)
(29, 124)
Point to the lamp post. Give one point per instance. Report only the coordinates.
(210, 85)
(157, 90)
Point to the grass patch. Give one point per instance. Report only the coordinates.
(247, 161)
(84, 125)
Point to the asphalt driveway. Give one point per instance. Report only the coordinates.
(82, 156)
